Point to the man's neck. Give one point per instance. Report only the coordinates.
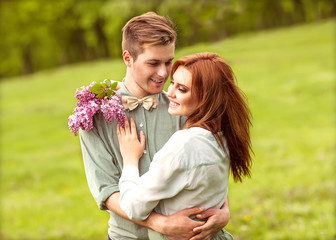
(133, 88)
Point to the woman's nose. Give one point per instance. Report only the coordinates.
(170, 91)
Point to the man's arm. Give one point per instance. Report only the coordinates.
(217, 220)
(176, 226)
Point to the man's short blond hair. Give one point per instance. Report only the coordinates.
(146, 30)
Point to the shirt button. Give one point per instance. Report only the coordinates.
(145, 151)
(141, 125)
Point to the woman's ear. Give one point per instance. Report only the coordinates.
(128, 59)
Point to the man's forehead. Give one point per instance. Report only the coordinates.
(158, 53)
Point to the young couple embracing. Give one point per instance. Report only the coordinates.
(165, 174)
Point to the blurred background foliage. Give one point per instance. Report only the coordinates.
(39, 34)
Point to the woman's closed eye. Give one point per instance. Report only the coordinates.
(180, 88)
(183, 90)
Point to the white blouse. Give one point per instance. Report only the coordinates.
(191, 170)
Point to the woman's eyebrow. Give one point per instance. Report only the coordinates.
(182, 85)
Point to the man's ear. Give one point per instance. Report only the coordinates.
(128, 59)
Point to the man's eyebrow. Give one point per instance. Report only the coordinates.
(157, 60)
(153, 60)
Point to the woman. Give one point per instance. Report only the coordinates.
(192, 169)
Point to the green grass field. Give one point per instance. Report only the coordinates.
(288, 76)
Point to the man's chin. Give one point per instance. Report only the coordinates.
(156, 90)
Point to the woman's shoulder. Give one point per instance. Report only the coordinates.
(195, 146)
(196, 134)
(176, 144)
(185, 137)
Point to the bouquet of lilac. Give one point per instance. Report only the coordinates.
(96, 98)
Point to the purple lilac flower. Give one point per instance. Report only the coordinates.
(84, 94)
(112, 110)
(88, 105)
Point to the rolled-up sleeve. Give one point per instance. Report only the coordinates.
(102, 176)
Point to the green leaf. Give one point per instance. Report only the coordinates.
(97, 88)
(114, 85)
(107, 82)
(109, 93)
(102, 94)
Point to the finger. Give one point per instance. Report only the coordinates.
(121, 130)
(142, 139)
(200, 228)
(120, 134)
(193, 211)
(198, 223)
(133, 127)
(126, 119)
(197, 230)
(205, 214)
(127, 128)
(198, 236)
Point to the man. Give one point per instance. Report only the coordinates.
(148, 52)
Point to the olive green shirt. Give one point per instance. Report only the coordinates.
(103, 161)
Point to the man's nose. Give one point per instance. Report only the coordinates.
(163, 71)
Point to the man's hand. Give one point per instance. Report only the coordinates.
(118, 86)
(217, 220)
(176, 227)
(179, 226)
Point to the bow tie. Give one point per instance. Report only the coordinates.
(147, 102)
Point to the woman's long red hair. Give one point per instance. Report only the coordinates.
(222, 108)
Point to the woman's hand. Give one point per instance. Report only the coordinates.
(130, 147)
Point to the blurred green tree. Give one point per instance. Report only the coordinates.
(38, 34)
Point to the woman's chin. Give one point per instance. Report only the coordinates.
(172, 112)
